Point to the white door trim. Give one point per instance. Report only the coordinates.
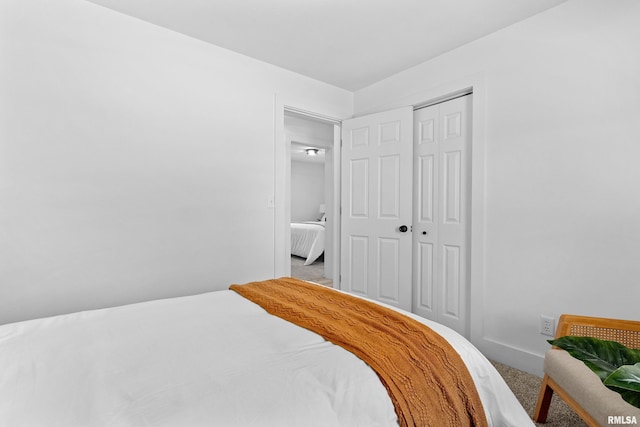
(282, 194)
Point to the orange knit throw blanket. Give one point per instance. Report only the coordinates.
(424, 376)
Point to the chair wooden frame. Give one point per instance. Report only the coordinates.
(626, 332)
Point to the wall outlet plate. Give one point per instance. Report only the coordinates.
(547, 325)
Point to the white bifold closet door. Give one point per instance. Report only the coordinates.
(441, 209)
(405, 209)
(376, 206)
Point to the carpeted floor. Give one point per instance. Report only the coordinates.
(525, 386)
(312, 273)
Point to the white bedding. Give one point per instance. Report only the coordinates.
(214, 359)
(307, 240)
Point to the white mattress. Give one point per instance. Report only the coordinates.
(214, 359)
(307, 240)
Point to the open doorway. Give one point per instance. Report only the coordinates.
(310, 145)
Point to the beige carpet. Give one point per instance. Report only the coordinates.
(525, 386)
(312, 273)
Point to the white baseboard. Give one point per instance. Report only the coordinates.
(511, 356)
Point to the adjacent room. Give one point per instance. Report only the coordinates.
(153, 154)
(310, 143)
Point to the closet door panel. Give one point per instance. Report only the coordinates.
(377, 173)
(442, 147)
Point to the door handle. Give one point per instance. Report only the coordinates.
(403, 229)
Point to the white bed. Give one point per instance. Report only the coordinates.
(214, 359)
(307, 240)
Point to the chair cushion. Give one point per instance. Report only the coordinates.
(586, 389)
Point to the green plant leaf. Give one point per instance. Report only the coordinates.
(631, 397)
(602, 357)
(626, 381)
(626, 377)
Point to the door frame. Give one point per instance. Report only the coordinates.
(282, 186)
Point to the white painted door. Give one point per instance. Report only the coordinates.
(442, 186)
(376, 196)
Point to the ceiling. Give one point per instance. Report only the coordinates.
(347, 43)
(298, 153)
(306, 133)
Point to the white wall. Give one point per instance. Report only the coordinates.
(307, 190)
(135, 162)
(132, 162)
(560, 112)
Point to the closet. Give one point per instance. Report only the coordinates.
(405, 209)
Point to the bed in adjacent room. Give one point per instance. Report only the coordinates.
(280, 352)
(307, 240)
